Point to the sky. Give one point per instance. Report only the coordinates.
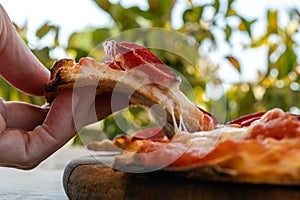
(75, 15)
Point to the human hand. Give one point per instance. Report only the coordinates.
(29, 134)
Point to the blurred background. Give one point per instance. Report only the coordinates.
(248, 51)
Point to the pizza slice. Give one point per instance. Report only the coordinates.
(265, 152)
(133, 70)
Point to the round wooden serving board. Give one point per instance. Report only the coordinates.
(89, 178)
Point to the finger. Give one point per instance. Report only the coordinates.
(85, 111)
(27, 149)
(24, 116)
(18, 65)
(59, 122)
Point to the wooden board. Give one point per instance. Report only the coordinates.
(88, 178)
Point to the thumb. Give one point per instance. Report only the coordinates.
(60, 119)
(57, 129)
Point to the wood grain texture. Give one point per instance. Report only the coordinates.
(88, 179)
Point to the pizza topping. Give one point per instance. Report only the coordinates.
(249, 156)
(276, 124)
(209, 117)
(255, 149)
(247, 119)
(267, 161)
(125, 56)
(216, 135)
(156, 154)
(153, 134)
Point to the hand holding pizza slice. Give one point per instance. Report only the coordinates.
(260, 148)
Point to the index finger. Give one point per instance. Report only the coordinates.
(18, 65)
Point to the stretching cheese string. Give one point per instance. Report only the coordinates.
(109, 50)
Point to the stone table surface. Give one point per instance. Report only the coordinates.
(43, 182)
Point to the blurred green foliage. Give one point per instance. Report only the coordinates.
(276, 86)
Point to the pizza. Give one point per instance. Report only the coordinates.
(258, 148)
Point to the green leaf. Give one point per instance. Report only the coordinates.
(193, 14)
(100, 35)
(216, 5)
(228, 32)
(5, 90)
(140, 13)
(81, 40)
(110, 125)
(235, 63)
(277, 98)
(263, 40)
(103, 4)
(44, 56)
(140, 115)
(56, 38)
(162, 8)
(154, 5)
(249, 100)
(231, 12)
(245, 25)
(125, 18)
(42, 31)
(22, 31)
(272, 18)
(80, 53)
(286, 62)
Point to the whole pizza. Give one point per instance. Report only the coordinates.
(258, 148)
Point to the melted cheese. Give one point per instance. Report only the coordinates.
(205, 141)
(185, 115)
